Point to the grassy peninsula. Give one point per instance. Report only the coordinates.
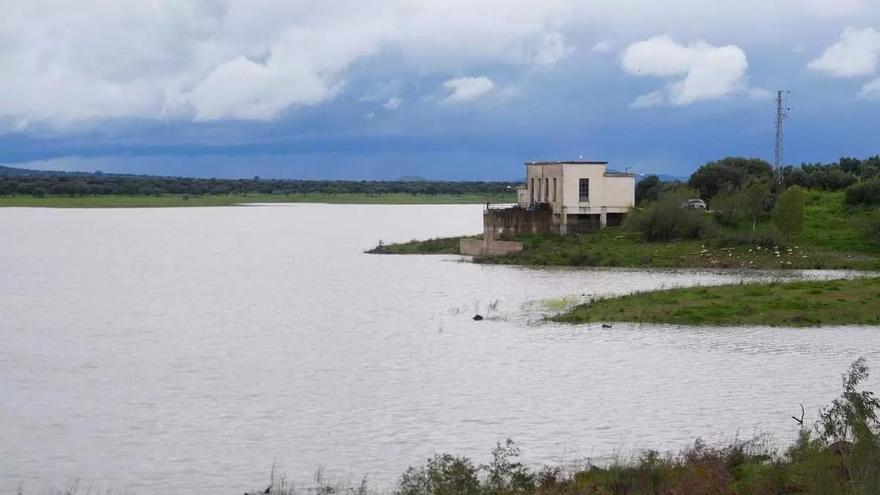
(832, 237)
(790, 304)
(182, 200)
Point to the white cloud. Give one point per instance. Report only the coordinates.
(871, 91)
(603, 46)
(702, 71)
(255, 59)
(393, 103)
(856, 54)
(550, 50)
(465, 89)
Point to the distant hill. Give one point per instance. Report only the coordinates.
(18, 172)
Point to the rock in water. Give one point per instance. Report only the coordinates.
(606, 325)
(478, 318)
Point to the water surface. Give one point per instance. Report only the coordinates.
(187, 350)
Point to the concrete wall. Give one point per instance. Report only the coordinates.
(480, 247)
(542, 188)
(558, 184)
(608, 191)
(505, 224)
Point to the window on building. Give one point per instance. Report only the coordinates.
(554, 189)
(546, 190)
(584, 191)
(534, 192)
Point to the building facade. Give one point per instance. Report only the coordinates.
(583, 195)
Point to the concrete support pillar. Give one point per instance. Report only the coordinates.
(603, 218)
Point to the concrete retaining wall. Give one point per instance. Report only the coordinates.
(479, 247)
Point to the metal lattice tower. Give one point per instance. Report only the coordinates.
(781, 114)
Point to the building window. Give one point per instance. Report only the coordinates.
(546, 190)
(584, 191)
(554, 189)
(534, 192)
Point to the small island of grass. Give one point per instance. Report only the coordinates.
(792, 304)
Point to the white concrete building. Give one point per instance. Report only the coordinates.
(583, 195)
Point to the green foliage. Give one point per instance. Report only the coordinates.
(869, 225)
(38, 192)
(788, 216)
(666, 220)
(863, 195)
(729, 173)
(441, 475)
(794, 304)
(648, 189)
(440, 245)
(813, 464)
(755, 200)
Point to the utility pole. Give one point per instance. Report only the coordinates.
(781, 114)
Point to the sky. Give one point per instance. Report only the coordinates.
(443, 89)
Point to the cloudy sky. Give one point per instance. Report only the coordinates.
(449, 89)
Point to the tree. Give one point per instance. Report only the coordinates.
(648, 189)
(730, 172)
(755, 197)
(788, 216)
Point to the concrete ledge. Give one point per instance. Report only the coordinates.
(479, 247)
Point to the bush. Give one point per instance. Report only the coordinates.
(666, 220)
(869, 225)
(788, 215)
(863, 194)
(39, 192)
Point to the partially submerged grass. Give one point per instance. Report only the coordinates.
(804, 303)
(180, 200)
(439, 245)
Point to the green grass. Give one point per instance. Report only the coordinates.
(171, 200)
(440, 245)
(828, 241)
(806, 303)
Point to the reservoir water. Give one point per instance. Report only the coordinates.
(186, 350)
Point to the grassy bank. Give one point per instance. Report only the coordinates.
(439, 245)
(807, 303)
(829, 240)
(172, 200)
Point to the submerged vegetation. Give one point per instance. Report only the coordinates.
(804, 303)
(837, 455)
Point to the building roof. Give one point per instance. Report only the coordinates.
(567, 162)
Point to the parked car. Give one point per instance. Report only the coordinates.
(694, 204)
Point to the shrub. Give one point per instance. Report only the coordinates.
(666, 220)
(869, 225)
(39, 192)
(442, 475)
(789, 213)
(863, 194)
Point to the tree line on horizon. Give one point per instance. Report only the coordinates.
(41, 184)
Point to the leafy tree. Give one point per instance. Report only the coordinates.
(755, 197)
(39, 192)
(788, 216)
(865, 194)
(730, 172)
(648, 189)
